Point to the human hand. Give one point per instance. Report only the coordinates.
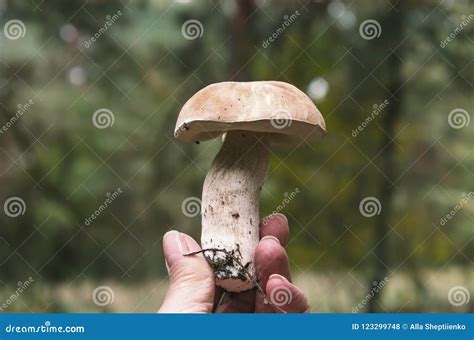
(192, 288)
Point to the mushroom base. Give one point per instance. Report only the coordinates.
(230, 209)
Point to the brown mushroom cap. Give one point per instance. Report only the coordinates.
(273, 107)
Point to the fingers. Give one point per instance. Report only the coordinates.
(270, 258)
(284, 296)
(191, 287)
(275, 225)
(274, 229)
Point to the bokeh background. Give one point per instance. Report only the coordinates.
(89, 96)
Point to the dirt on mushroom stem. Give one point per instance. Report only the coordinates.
(230, 208)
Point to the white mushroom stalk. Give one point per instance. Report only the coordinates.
(254, 116)
(230, 209)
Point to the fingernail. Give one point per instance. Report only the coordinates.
(178, 239)
(270, 237)
(281, 217)
(278, 277)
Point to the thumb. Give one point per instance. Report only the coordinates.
(192, 284)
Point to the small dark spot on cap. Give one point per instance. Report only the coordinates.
(222, 202)
(197, 142)
(250, 232)
(235, 215)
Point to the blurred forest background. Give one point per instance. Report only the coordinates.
(89, 96)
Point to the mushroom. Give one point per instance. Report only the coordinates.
(253, 116)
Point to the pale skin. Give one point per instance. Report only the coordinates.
(192, 286)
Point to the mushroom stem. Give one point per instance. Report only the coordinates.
(230, 205)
